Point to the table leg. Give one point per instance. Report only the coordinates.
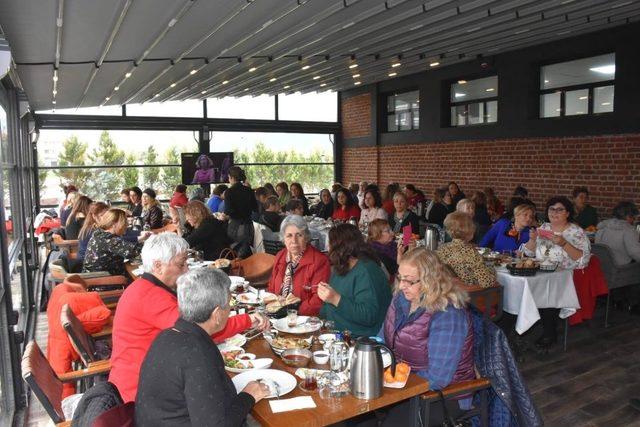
(566, 333)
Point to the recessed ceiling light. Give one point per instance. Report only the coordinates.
(252, 69)
(323, 84)
(357, 83)
(606, 103)
(173, 85)
(352, 66)
(546, 81)
(126, 76)
(306, 67)
(396, 64)
(355, 76)
(605, 69)
(273, 79)
(156, 95)
(489, 89)
(434, 64)
(557, 109)
(316, 77)
(55, 92)
(55, 77)
(203, 92)
(462, 82)
(117, 88)
(392, 74)
(225, 82)
(107, 98)
(286, 87)
(583, 97)
(246, 89)
(192, 72)
(53, 102)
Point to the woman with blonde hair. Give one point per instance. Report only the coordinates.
(204, 231)
(429, 327)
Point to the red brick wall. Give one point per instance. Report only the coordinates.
(608, 165)
(356, 116)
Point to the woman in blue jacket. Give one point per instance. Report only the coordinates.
(507, 235)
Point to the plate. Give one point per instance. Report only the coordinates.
(279, 350)
(236, 279)
(398, 384)
(300, 328)
(251, 298)
(284, 380)
(238, 340)
(257, 364)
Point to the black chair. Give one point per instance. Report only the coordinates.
(480, 386)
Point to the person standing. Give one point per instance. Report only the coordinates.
(239, 204)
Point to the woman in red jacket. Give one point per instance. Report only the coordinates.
(345, 208)
(299, 267)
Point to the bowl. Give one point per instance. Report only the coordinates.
(320, 357)
(296, 357)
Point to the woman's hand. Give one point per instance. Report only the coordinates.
(404, 249)
(559, 240)
(144, 236)
(533, 235)
(327, 294)
(258, 321)
(257, 390)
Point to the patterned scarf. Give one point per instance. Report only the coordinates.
(292, 264)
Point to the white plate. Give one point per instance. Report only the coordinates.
(278, 350)
(251, 298)
(236, 279)
(301, 328)
(257, 364)
(286, 382)
(238, 340)
(225, 349)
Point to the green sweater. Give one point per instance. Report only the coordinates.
(365, 295)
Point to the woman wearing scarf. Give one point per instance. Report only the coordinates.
(299, 267)
(403, 216)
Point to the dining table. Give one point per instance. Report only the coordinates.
(327, 411)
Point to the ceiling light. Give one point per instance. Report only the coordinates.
(460, 95)
(396, 64)
(316, 77)
(392, 74)
(246, 89)
(192, 72)
(605, 69)
(53, 102)
(355, 76)
(306, 67)
(173, 85)
(55, 92)
(557, 109)
(352, 66)
(583, 97)
(489, 89)
(126, 76)
(55, 77)
(252, 69)
(323, 85)
(117, 88)
(546, 81)
(286, 87)
(434, 64)
(357, 83)
(606, 103)
(273, 79)
(156, 95)
(107, 98)
(462, 82)
(203, 92)
(225, 82)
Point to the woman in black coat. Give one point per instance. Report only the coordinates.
(152, 213)
(204, 232)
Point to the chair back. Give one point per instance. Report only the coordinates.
(258, 239)
(607, 263)
(38, 374)
(122, 416)
(271, 242)
(81, 342)
(181, 215)
(257, 268)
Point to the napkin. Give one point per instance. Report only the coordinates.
(284, 405)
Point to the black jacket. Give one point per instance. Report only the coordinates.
(438, 213)
(154, 217)
(240, 202)
(183, 383)
(412, 219)
(323, 211)
(210, 237)
(271, 220)
(94, 402)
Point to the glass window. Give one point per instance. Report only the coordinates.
(583, 86)
(261, 107)
(315, 106)
(403, 111)
(474, 102)
(188, 108)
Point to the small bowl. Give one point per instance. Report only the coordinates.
(320, 357)
(296, 357)
(246, 356)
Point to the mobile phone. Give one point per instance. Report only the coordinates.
(406, 235)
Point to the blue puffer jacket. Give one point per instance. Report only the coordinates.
(510, 403)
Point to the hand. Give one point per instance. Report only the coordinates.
(559, 240)
(257, 390)
(258, 321)
(144, 236)
(327, 294)
(533, 235)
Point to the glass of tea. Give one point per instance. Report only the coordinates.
(292, 317)
(310, 382)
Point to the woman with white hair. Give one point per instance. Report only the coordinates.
(299, 267)
(183, 380)
(149, 305)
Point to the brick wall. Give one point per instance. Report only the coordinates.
(608, 165)
(356, 116)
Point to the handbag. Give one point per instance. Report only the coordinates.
(235, 269)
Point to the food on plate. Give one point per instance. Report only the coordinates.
(244, 298)
(402, 374)
(280, 302)
(287, 343)
(526, 263)
(230, 355)
(222, 263)
(270, 298)
(238, 364)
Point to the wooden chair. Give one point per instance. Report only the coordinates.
(487, 300)
(47, 386)
(82, 342)
(257, 268)
(480, 385)
(69, 247)
(170, 227)
(102, 279)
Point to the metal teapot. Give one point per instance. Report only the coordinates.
(366, 368)
(431, 237)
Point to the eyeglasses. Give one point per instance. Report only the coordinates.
(402, 280)
(557, 210)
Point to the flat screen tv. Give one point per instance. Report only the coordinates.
(209, 168)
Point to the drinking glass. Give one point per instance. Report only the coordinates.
(292, 317)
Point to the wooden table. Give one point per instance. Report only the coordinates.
(129, 267)
(326, 412)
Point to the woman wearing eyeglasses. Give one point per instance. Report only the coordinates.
(561, 241)
(428, 326)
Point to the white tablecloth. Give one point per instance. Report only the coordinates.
(523, 296)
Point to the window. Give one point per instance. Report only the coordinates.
(188, 108)
(315, 107)
(474, 102)
(403, 111)
(574, 88)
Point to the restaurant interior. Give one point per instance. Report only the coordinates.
(453, 237)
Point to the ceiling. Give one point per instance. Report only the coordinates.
(79, 53)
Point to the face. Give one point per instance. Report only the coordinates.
(294, 240)
(342, 198)
(133, 197)
(295, 191)
(557, 214)
(453, 189)
(146, 199)
(524, 219)
(222, 314)
(400, 204)
(298, 211)
(581, 199)
(125, 198)
(409, 192)
(408, 282)
(174, 269)
(386, 236)
(262, 198)
(326, 197)
(369, 200)
(447, 198)
(469, 209)
(280, 191)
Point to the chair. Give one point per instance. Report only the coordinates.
(487, 300)
(68, 247)
(47, 386)
(480, 385)
(258, 240)
(121, 416)
(96, 279)
(617, 276)
(81, 341)
(257, 268)
(170, 227)
(271, 242)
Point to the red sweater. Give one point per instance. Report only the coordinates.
(178, 200)
(144, 310)
(312, 268)
(346, 214)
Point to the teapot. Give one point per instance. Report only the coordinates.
(366, 368)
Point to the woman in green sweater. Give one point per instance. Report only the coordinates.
(359, 294)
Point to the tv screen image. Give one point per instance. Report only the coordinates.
(209, 168)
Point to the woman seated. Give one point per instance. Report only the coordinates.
(76, 217)
(204, 233)
(151, 213)
(297, 193)
(107, 250)
(437, 210)
(428, 327)
(283, 193)
(383, 242)
(494, 205)
(561, 241)
(346, 208)
(271, 216)
(358, 295)
(299, 267)
(183, 380)
(96, 210)
(387, 198)
(67, 205)
(586, 215)
(324, 208)
(402, 215)
(294, 207)
(415, 198)
(620, 235)
(467, 206)
(135, 196)
(371, 208)
(461, 256)
(215, 202)
(506, 235)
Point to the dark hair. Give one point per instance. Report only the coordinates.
(479, 198)
(624, 209)
(136, 190)
(283, 185)
(237, 173)
(564, 201)
(150, 192)
(81, 204)
(70, 188)
(376, 197)
(346, 241)
(293, 204)
(438, 194)
(347, 195)
(219, 189)
(269, 186)
(261, 191)
(125, 191)
(521, 191)
(410, 187)
(456, 184)
(335, 187)
(271, 201)
(181, 188)
(391, 189)
(298, 186)
(578, 190)
(322, 191)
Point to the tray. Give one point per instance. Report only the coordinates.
(527, 272)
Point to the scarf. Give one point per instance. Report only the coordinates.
(398, 224)
(287, 282)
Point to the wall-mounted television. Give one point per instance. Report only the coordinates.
(208, 168)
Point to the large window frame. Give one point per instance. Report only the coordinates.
(414, 111)
(468, 103)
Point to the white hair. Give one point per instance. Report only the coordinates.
(200, 291)
(162, 247)
(298, 222)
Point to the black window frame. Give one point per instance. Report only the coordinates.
(415, 113)
(467, 102)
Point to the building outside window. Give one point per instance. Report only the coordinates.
(403, 111)
(579, 87)
(474, 102)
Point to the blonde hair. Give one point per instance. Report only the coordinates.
(438, 284)
(466, 205)
(113, 217)
(198, 210)
(400, 194)
(376, 228)
(523, 208)
(460, 226)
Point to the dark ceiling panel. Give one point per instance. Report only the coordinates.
(30, 28)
